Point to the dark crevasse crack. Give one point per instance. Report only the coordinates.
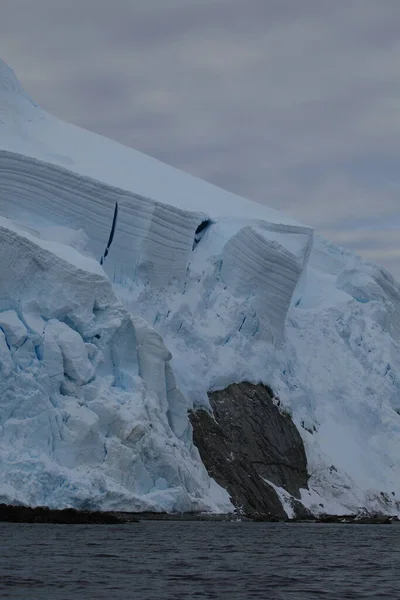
(200, 231)
(246, 441)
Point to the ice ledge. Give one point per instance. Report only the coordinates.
(153, 242)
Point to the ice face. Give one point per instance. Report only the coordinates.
(89, 414)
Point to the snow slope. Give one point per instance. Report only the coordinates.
(236, 290)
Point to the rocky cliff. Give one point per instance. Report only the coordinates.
(246, 443)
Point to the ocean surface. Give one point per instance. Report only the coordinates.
(193, 560)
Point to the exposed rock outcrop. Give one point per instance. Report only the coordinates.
(247, 441)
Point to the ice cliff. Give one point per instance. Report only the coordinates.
(89, 414)
(90, 411)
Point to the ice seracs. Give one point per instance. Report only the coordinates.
(94, 400)
(90, 414)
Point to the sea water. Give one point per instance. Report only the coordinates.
(194, 560)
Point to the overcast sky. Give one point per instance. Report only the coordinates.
(293, 103)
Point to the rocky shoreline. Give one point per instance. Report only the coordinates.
(71, 516)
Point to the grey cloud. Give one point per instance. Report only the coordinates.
(295, 104)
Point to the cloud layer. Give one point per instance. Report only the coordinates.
(294, 104)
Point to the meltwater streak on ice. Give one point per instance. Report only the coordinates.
(220, 561)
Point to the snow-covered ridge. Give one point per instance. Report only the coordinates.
(236, 291)
(46, 138)
(15, 104)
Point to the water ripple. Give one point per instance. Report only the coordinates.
(199, 560)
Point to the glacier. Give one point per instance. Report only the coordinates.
(200, 289)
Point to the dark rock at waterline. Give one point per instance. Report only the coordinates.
(67, 516)
(357, 519)
(247, 440)
(190, 516)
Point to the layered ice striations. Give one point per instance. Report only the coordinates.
(152, 241)
(265, 265)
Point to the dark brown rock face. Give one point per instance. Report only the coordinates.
(246, 441)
